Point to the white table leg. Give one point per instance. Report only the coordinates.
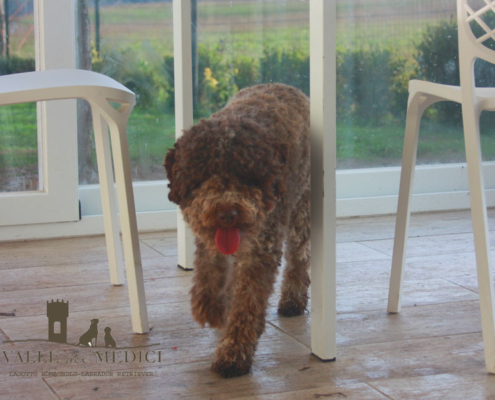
(183, 110)
(323, 186)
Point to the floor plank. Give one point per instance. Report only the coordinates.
(98, 296)
(351, 391)
(30, 278)
(441, 386)
(421, 224)
(25, 388)
(58, 251)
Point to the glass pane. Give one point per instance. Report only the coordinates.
(132, 43)
(381, 46)
(242, 44)
(18, 127)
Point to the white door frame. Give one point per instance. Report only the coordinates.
(360, 192)
(57, 199)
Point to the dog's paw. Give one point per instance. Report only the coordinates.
(233, 359)
(231, 369)
(291, 308)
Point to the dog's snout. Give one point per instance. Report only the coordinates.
(228, 216)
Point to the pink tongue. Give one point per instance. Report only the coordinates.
(227, 240)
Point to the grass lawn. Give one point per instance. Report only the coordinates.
(363, 147)
(151, 132)
(18, 136)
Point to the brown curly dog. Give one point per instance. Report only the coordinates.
(242, 181)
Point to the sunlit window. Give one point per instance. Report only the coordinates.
(18, 129)
(381, 45)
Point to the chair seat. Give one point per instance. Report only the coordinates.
(60, 84)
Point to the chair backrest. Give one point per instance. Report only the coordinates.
(469, 13)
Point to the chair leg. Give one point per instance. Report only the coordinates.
(415, 110)
(186, 246)
(481, 235)
(128, 221)
(108, 201)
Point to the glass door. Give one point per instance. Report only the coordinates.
(38, 159)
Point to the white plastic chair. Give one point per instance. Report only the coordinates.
(98, 90)
(473, 100)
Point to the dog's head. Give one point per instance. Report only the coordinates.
(95, 321)
(107, 330)
(224, 183)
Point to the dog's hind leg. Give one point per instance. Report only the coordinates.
(294, 296)
(208, 297)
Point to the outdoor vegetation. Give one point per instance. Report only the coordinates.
(372, 79)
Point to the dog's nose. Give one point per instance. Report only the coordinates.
(228, 216)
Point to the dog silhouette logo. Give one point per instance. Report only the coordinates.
(90, 337)
(109, 340)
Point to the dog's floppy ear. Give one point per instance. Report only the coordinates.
(173, 171)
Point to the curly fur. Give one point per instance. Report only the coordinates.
(251, 157)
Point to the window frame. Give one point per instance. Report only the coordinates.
(57, 199)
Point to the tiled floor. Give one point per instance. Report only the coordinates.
(431, 350)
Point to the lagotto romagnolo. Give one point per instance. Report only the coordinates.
(242, 181)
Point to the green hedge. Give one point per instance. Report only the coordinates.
(372, 83)
(437, 61)
(147, 78)
(370, 86)
(12, 65)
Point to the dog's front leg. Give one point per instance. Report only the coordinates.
(208, 299)
(255, 276)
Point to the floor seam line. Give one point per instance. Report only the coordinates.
(410, 339)
(462, 286)
(379, 391)
(288, 334)
(152, 248)
(51, 389)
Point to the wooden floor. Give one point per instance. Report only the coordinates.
(431, 350)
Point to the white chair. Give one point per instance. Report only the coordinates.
(98, 90)
(473, 100)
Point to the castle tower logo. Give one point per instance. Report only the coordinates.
(57, 313)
